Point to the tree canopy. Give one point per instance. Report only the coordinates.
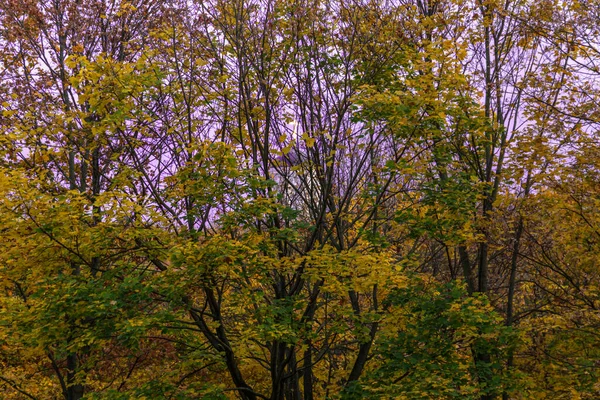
(296, 199)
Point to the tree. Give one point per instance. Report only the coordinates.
(297, 200)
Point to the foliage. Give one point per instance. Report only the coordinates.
(426, 344)
(292, 199)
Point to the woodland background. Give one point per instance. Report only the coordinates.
(299, 199)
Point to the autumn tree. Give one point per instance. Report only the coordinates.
(298, 200)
